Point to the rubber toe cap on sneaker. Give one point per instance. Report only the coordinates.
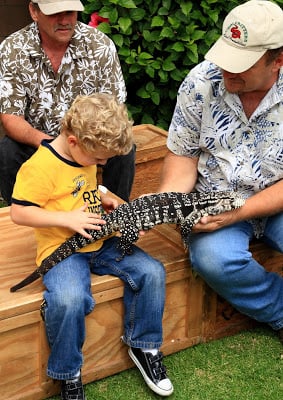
(166, 385)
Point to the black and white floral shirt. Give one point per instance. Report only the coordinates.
(30, 88)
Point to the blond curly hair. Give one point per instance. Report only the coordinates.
(99, 120)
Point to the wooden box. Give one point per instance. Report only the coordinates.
(151, 149)
(24, 349)
(193, 312)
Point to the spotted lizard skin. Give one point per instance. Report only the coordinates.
(142, 214)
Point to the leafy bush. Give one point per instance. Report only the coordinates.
(158, 42)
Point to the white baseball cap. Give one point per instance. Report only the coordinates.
(248, 31)
(49, 7)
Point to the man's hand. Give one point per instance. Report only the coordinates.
(211, 223)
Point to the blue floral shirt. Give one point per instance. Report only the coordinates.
(235, 153)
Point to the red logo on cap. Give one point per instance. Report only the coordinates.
(236, 34)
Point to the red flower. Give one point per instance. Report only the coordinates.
(96, 19)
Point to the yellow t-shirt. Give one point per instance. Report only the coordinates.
(49, 181)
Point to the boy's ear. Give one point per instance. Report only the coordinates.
(72, 140)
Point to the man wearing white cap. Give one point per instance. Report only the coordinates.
(43, 67)
(226, 133)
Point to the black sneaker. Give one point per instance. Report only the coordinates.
(280, 335)
(152, 370)
(72, 389)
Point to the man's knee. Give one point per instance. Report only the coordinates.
(207, 265)
(210, 256)
(273, 234)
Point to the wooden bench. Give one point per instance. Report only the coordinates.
(193, 312)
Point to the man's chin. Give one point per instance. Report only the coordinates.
(64, 35)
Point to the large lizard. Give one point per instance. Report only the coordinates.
(143, 214)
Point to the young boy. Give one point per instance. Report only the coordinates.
(56, 193)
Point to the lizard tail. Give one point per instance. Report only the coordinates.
(29, 279)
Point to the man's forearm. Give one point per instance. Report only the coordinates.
(265, 203)
(17, 128)
(179, 174)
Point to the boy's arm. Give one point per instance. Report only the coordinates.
(77, 220)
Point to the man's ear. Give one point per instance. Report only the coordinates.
(279, 61)
(33, 12)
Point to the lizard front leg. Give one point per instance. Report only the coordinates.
(129, 235)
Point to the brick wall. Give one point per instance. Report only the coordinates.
(14, 15)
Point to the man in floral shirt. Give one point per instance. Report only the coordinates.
(43, 67)
(227, 134)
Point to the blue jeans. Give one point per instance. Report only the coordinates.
(222, 258)
(68, 300)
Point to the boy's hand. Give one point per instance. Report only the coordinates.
(108, 203)
(80, 221)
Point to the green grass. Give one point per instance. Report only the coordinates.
(247, 366)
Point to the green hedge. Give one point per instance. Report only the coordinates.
(158, 42)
